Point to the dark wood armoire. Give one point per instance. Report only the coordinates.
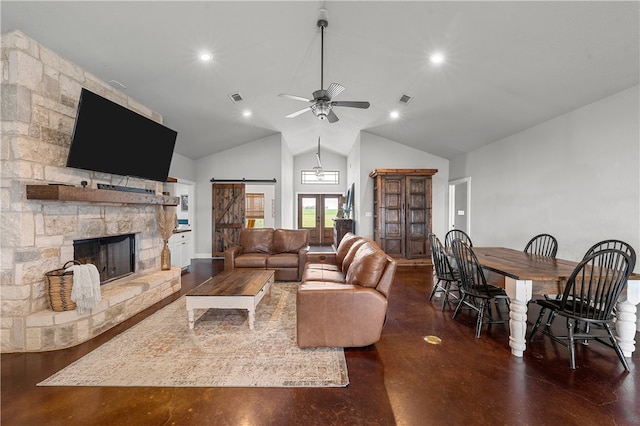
(402, 211)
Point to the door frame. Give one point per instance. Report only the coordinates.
(452, 202)
(316, 194)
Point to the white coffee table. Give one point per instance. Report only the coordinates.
(240, 289)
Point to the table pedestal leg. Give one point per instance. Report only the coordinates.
(626, 317)
(626, 327)
(519, 292)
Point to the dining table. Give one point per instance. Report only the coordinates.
(523, 274)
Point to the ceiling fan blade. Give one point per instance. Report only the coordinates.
(334, 90)
(351, 104)
(332, 117)
(297, 98)
(297, 113)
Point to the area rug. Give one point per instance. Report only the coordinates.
(220, 352)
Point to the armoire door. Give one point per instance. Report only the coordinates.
(393, 221)
(417, 216)
(227, 216)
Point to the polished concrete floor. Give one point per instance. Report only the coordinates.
(400, 380)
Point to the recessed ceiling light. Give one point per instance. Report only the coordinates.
(394, 114)
(206, 56)
(436, 58)
(246, 113)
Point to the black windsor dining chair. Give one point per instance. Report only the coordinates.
(477, 294)
(542, 244)
(456, 234)
(590, 296)
(445, 275)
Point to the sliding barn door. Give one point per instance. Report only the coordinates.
(228, 215)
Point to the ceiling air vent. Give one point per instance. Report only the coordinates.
(405, 99)
(236, 97)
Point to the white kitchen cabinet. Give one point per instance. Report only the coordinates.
(179, 244)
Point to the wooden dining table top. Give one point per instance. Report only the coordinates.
(519, 265)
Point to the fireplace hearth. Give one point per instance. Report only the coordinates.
(114, 256)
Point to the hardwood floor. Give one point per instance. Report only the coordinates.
(400, 380)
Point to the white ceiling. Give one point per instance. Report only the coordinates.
(510, 65)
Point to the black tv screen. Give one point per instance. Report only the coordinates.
(110, 138)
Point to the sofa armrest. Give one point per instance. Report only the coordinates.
(302, 259)
(339, 315)
(230, 255)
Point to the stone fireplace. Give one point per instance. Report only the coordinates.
(40, 91)
(113, 256)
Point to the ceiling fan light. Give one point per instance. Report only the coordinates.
(321, 110)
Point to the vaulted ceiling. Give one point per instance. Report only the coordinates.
(508, 65)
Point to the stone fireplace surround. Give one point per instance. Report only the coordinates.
(40, 91)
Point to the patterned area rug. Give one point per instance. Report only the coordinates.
(220, 351)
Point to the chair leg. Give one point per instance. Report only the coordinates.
(534, 330)
(616, 346)
(447, 286)
(572, 345)
(481, 308)
(434, 289)
(587, 328)
(460, 303)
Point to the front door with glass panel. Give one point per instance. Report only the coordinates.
(316, 213)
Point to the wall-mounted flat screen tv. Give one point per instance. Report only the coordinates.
(110, 138)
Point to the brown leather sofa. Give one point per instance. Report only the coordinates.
(342, 300)
(283, 250)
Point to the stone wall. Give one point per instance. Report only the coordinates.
(40, 93)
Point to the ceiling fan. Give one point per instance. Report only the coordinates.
(322, 103)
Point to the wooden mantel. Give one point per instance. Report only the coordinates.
(72, 193)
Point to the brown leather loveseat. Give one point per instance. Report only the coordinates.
(342, 300)
(283, 250)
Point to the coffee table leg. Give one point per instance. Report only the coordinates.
(252, 318)
(191, 314)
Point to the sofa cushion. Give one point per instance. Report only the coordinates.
(323, 266)
(282, 260)
(346, 263)
(345, 244)
(257, 240)
(367, 266)
(252, 260)
(322, 275)
(289, 240)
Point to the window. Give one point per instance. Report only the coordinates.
(328, 177)
(254, 210)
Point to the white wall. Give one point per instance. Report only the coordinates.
(182, 167)
(260, 159)
(330, 161)
(285, 215)
(374, 152)
(575, 176)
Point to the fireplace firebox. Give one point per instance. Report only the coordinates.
(114, 256)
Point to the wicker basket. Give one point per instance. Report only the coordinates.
(58, 285)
